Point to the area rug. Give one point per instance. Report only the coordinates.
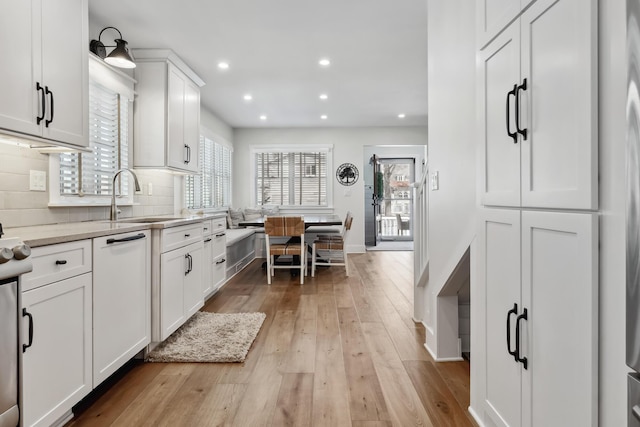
(211, 337)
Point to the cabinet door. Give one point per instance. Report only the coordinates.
(207, 283)
(192, 125)
(121, 300)
(176, 145)
(65, 70)
(219, 273)
(193, 296)
(499, 281)
(56, 369)
(173, 267)
(492, 16)
(560, 336)
(20, 26)
(498, 74)
(559, 61)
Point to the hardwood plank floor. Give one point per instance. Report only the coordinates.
(336, 351)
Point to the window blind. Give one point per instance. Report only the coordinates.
(211, 187)
(92, 173)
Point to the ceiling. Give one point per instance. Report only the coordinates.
(377, 49)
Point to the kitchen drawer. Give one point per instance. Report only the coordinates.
(57, 262)
(219, 224)
(207, 227)
(219, 244)
(177, 237)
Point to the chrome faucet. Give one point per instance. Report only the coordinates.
(114, 209)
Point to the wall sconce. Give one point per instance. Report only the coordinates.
(119, 57)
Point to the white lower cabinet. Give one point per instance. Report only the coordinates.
(56, 361)
(121, 300)
(537, 319)
(181, 272)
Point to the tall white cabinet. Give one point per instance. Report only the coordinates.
(167, 112)
(45, 90)
(536, 317)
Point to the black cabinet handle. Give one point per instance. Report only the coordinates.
(186, 256)
(513, 135)
(126, 239)
(222, 261)
(26, 313)
(42, 101)
(522, 360)
(514, 310)
(188, 152)
(61, 262)
(522, 132)
(221, 235)
(189, 259)
(207, 240)
(50, 119)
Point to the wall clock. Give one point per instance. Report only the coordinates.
(347, 174)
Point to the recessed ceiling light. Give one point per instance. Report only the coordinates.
(401, 116)
(223, 65)
(325, 62)
(323, 117)
(263, 117)
(248, 97)
(324, 96)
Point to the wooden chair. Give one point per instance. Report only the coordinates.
(293, 228)
(402, 225)
(330, 250)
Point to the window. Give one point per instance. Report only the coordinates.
(90, 174)
(211, 188)
(291, 178)
(85, 178)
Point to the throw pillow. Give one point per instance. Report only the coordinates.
(250, 214)
(235, 216)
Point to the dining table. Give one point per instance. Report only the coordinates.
(309, 220)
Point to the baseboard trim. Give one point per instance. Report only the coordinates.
(475, 416)
(442, 359)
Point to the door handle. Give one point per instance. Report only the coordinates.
(513, 135)
(522, 360)
(42, 102)
(126, 239)
(514, 353)
(48, 121)
(521, 131)
(26, 313)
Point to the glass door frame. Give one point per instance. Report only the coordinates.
(386, 225)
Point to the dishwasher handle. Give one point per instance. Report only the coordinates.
(126, 239)
(26, 313)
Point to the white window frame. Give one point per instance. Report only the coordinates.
(294, 148)
(121, 83)
(217, 140)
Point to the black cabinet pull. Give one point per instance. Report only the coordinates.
(187, 235)
(222, 261)
(207, 240)
(26, 313)
(50, 119)
(522, 132)
(514, 353)
(126, 239)
(220, 235)
(513, 135)
(61, 262)
(188, 153)
(522, 360)
(189, 259)
(42, 101)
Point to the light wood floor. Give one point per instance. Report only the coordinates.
(336, 351)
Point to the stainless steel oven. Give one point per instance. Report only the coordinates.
(13, 263)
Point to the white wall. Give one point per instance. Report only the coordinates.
(213, 124)
(348, 146)
(452, 148)
(612, 93)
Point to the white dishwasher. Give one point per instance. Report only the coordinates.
(121, 300)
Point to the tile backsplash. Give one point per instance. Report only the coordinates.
(21, 207)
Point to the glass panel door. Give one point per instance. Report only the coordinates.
(394, 217)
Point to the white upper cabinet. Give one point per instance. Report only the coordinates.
(167, 112)
(45, 90)
(538, 109)
(493, 16)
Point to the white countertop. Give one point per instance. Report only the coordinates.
(42, 235)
